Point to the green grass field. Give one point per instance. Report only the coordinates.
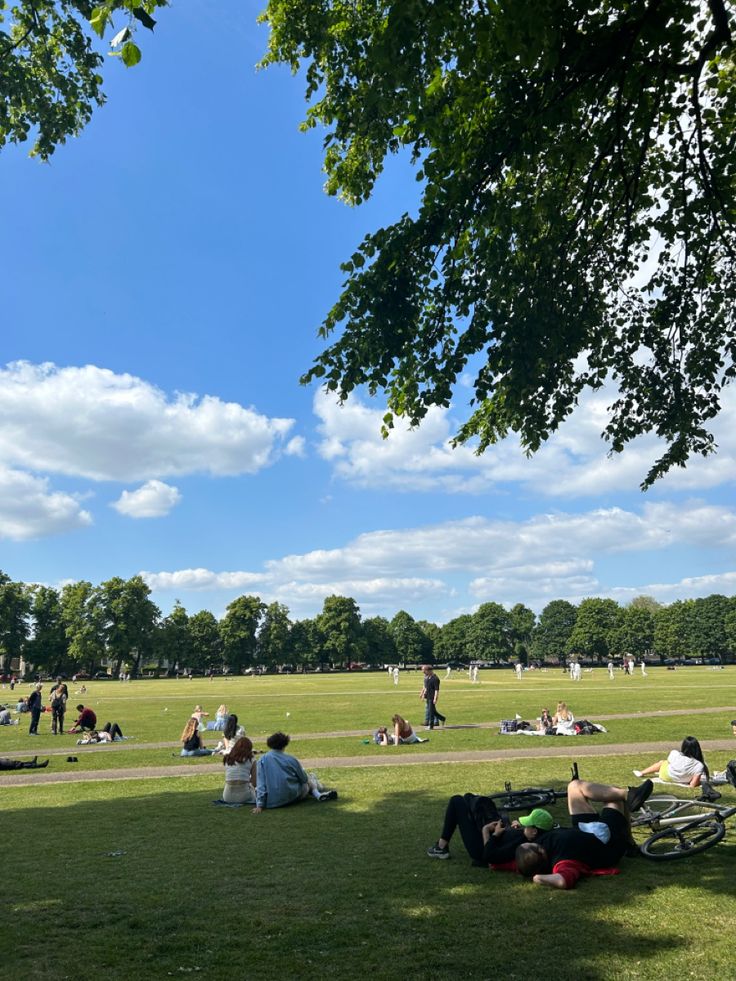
(145, 878)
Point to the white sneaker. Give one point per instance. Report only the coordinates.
(637, 773)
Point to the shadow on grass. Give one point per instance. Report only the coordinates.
(161, 883)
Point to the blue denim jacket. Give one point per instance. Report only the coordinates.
(280, 779)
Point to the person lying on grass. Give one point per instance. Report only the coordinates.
(593, 846)
(7, 764)
(282, 780)
(532, 845)
(487, 839)
(684, 765)
(109, 733)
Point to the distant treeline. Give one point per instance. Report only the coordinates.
(81, 627)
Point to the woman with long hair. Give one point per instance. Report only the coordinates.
(191, 741)
(684, 765)
(230, 734)
(240, 773)
(563, 720)
(403, 731)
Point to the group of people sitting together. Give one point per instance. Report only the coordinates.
(275, 779)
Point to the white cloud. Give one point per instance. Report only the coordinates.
(153, 500)
(90, 422)
(454, 563)
(29, 509)
(295, 447)
(573, 462)
(204, 579)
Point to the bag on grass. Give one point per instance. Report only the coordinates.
(509, 725)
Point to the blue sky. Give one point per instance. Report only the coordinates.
(163, 280)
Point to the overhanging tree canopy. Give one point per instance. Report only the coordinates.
(561, 143)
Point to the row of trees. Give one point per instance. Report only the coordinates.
(116, 623)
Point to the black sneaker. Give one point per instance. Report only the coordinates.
(327, 795)
(708, 793)
(434, 851)
(637, 795)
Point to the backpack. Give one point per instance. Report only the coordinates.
(731, 772)
(585, 728)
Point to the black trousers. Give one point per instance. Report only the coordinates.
(35, 718)
(458, 817)
(113, 728)
(57, 720)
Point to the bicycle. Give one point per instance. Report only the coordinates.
(681, 827)
(529, 797)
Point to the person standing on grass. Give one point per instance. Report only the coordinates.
(610, 670)
(430, 693)
(35, 703)
(59, 696)
(396, 675)
(282, 780)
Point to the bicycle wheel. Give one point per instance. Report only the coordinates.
(521, 800)
(680, 842)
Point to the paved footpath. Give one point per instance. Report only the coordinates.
(524, 747)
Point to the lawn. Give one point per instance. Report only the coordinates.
(145, 878)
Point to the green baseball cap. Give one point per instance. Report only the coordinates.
(539, 818)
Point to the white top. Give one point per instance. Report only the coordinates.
(683, 768)
(240, 771)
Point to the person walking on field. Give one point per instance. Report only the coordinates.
(430, 693)
(396, 675)
(610, 670)
(34, 707)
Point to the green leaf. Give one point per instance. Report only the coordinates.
(131, 54)
(98, 20)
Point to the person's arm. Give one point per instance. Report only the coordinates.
(553, 879)
(260, 785)
(501, 845)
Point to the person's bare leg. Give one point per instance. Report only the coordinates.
(654, 768)
(582, 793)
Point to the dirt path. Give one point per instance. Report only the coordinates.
(542, 749)
(131, 744)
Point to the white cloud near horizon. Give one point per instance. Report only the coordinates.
(548, 556)
(30, 509)
(574, 462)
(91, 422)
(154, 499)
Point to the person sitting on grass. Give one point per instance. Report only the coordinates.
(86, 721)
(109, 733)
(403, 731)
(240, 774)
(563, 720)
(282, 780)
(594, 845)
(486, 838)
(684, 765)
(191, 741)
(231, 733)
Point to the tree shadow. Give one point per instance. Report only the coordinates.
(162, 883)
